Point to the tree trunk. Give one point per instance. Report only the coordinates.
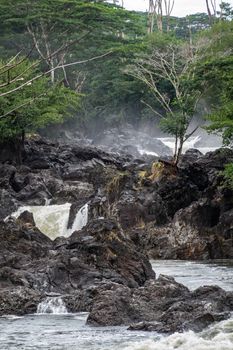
(11, 150)
(151, 16)
(176, 144)
(180, 149)
(168, 6)
(211, 5)
(160, 16)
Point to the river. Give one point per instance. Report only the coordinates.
(69, 332)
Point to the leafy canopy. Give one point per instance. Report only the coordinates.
(36, 105)
(214, 75)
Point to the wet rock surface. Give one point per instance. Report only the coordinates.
(18, 301)
(161, 305)
(97, 254)
(139, 208)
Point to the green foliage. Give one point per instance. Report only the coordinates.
(90, 28)
(228, 175)
(173, 124)
(105, 27)
(166, 72)
(35, 105)
(214, 75)
(226, 12)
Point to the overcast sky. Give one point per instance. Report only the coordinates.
(181, 8)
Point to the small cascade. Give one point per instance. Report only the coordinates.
(81, 219)
(47, 201)
(52, 305)
(52, 220)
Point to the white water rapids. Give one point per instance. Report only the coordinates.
(66, 331)
(192, 142)
(197, 142)
(54, 328)
(52, 305)
(52, 220)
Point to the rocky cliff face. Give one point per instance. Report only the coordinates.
(138, 208)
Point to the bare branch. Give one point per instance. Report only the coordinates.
(190, 134)
(36, 64)
(13, 65)
(22, 105)
(53, 69)
(152, 109)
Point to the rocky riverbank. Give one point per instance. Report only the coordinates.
(139, 208)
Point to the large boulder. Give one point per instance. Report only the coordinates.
(160, 305)
(18, 301)
(100, 252)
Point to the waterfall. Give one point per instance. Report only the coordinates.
(80, 220)
(52, 220)
(52, 305)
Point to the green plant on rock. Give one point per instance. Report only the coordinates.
(214, 75)
(228, 175)
(115, 185)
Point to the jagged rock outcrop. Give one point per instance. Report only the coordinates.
(18, 301)
(57, 172)
(200, 225)
(99, 253)
(161, 305)
(135, 208)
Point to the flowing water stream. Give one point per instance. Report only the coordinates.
(53, 331)
(196, 142)
(193, 142)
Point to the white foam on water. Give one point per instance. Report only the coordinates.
(143, 151)
(52, 220)
(52, 305)
(170, 142)
(11, 317)
(190, 143)
(217, 337)
(80, 220)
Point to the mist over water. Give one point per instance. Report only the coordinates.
(151, 141)
(144, 139)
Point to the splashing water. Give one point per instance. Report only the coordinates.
(69, 331)
(80, 219)
(217, 337)
(190, 143)
(149, 153)
(52, 220)
(52, 305)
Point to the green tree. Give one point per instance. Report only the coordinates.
(63, 31)
(226, 11)
(29, 101)
(214, 76)
(60, 31)
(167, 74)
